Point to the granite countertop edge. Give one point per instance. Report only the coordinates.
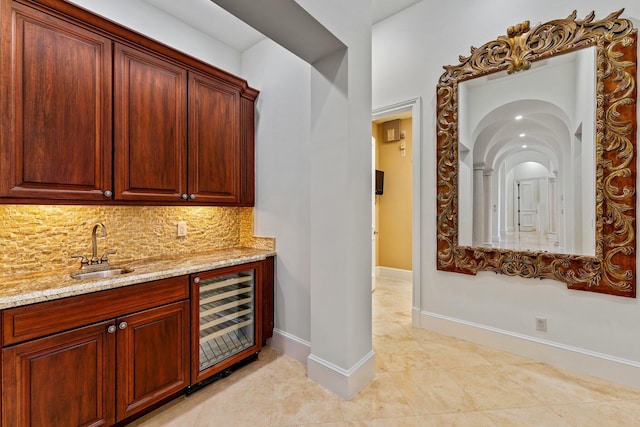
(30, 289)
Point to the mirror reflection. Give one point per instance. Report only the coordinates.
(526, 145)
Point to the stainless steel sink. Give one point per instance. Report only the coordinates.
(101, 274)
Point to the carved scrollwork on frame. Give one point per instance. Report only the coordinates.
(613, 268)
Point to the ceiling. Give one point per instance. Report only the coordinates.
(211, 19)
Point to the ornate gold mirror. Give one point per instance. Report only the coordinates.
(515, 166)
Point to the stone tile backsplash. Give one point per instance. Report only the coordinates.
(36, 238)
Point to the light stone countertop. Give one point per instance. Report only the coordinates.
(29, 289)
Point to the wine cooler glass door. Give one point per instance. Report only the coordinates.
(227, 316)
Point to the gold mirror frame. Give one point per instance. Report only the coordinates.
(613, 268)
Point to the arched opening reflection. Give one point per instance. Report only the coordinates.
(526, 169)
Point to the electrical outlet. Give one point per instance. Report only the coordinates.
(541, 324)
(182, 229)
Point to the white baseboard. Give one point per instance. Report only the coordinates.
(395, 273)
(618, 370)
(341, 382)
(292, 346)
(415, 317)
(344, 383)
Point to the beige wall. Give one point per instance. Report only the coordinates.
(37, 239)
(393, 208)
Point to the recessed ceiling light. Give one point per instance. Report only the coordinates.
(524, 146)
(522, 135)
(518, 117)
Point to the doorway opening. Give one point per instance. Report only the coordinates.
(395, 229)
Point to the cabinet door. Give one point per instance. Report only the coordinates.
(150, 104)
(56, 135)
(153, 356)
(214, 141)
(63, 380)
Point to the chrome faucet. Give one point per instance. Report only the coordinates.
(94, 243)
(95, 263)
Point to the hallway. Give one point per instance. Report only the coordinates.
(422, 379)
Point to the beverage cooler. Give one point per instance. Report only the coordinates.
(226, 312)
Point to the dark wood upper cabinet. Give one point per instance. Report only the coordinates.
(56, 108)
(95, 112)
(214, 140)
(150, 127)
(247, 153)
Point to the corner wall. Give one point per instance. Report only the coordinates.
(283, 144)
(339, 194)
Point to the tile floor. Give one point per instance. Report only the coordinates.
(422, 379)
(527, 241)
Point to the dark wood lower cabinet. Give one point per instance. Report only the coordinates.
(153, 357)
(108, 357)
(99, 374)
(63, 380)
(268, 298)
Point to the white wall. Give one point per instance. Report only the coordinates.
(409, 50)
(283, 144)
(152, 22)
(340, 203)
(324, 220)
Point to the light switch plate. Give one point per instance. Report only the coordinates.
(182, 229)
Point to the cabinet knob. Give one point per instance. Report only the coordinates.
(111, 329)
(192, 196)
(108, 193)
(122, 325)
(196, 280)
(184, 196)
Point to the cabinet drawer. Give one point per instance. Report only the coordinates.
(37, 320)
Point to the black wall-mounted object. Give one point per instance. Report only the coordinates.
(379, 182)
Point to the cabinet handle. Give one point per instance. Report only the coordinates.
(192, 196)
(122, 325)
(184, 196)
(108, 193)
(111, 329)
(196, 280)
